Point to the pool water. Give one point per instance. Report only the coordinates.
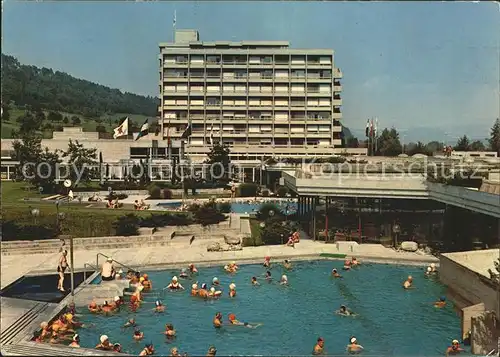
(244, 208)
(391, 321)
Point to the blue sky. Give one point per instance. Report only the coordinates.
(417, 64)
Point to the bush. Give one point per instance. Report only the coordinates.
(225, 207)
(208, 214)
(114, 196)
(282, 191)
(265, 210)
(166, 193)
(336, 160)
(274, 232)
(127, 225)
(154, 191)
(13, 231)
(156, 220)
(248, 190)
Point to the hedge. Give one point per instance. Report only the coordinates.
(247, 190)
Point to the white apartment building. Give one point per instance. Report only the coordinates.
(263, 98)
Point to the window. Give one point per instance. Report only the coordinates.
(213, 101)
(138, 152)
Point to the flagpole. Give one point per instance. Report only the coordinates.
(174, 23)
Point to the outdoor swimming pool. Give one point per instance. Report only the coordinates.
(391, 321)
(243, 208)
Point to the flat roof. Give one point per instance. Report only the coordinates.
(478, 261)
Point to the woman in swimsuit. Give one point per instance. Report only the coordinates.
(61, 268)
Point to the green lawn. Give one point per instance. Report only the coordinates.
(256, 230)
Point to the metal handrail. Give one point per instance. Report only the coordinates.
(85, 270)
(116, 261)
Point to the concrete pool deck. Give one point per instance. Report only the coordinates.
(16, 266)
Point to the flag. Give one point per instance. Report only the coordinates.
(212, 135)
(376, 126)
(372, 132)
(187, 132)
(367, 130)
(143, 132)
(175, 18)
(121, 130)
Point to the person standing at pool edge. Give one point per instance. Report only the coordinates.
(62, 265)
(108, 270)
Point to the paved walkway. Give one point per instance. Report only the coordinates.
(14, 267)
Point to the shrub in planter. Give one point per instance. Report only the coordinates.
(114, 196)
(166, 193)
(127, 225)
(225, 207)
(265, 210)
(282, 191)
(154, 191)
(247, 190)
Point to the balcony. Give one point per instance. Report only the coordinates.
(337, 129)
(318, 93)
(234, 64)
(314, 79)
(175, 78)
(337, 73)
(337, 101)
(297, 78)
(337, 88)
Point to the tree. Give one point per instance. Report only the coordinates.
(55, 117)
(40, 116)
(5, 113)
(100, 128)
(418, 148)
(65, 120)
(434, 146)
(127, 225)
(75, 120)
(275, 231)
(208, 214)
(494, 139)
(36, 165)
(219, 161)
(477, 145)
(463, 144)
(388, 143)
(29, 123)
(82, 162)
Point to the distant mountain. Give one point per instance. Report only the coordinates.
(58, 91)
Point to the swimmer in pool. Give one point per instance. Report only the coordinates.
(212, 351)
(267, 262)
(353, 346)
(433, 268)
(319, 346)
(408, 283)
(169, 331)
(192, 269)
(214, 294)
(175, 285)
(428, 271)
(148, 350)
(284, 280)
(336, 274)
(93, 308)
(217, 320)
(194, 289)
(268, 276)
(183, 274)
(138, 335)
(215, 281)
(254, 281)
(106, 308)
(441, 303)
(232, 290)
(203, 293)
(233, 267)
(354, 262)
(344, 311)
(454, 349)
(130, 323)
(234, 321)
(287, 265)
(347, 265)
(159, 307)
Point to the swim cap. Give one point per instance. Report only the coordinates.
(410, 277)
(353, 340)
(69, 317)
(212, 289)
(105, 302)
(183, 270)
(226, 267)
(141, 279)
(110, 259)
(334, 270)
(284, 277)
(342, 307)
(76, 337)
(232, 317)
(433, 266)
(120, 271)
(233, 263)
(215, 280)
(194, 286)
(103, 338)
(454, 342)
(117, 345)
(158, 303)
(442, 298)
(212, 349)
(117, 298)
(203, 286)
(429, 269)
(174, 278)
(44, 325)
(173, 350)
(232, 286)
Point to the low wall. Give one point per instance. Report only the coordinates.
(472, 287)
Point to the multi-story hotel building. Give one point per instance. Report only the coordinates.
(263, 98)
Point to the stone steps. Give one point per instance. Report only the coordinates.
(7, 336)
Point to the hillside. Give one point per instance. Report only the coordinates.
(44, 88)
